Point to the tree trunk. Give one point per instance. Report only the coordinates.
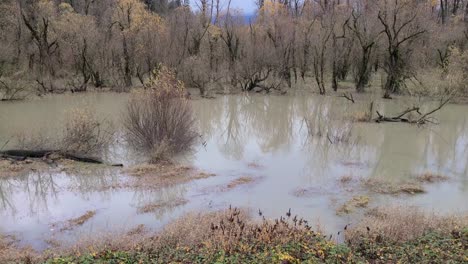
(127, 67)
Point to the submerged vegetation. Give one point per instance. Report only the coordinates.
(353, 204)
(162, 174)
(389, 187)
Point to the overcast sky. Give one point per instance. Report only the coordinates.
(248, 6)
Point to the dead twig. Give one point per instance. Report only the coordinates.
(348, 96)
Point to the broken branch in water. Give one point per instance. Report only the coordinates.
(348, 96)
(423, 119)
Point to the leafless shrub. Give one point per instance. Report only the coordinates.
(84, 133)
(12, 89)
(159, 120)
(399, 223)
(35, 141)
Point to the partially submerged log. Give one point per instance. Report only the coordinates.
(27, 153)
(19, 154)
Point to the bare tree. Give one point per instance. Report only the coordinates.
(366, 38)
(401, 28)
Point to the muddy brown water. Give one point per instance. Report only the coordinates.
(263, 137)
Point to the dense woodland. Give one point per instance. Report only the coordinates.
(60, 45)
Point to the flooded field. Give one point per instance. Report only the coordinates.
(260, 152)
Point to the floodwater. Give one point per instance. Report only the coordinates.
(296, 148)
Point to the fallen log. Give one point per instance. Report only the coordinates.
(20, 154)
(81, 158)
(27, 153)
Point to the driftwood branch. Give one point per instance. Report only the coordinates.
(348, 96)
(423, 119)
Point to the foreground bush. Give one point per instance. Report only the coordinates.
(159, 120)
(231, 237)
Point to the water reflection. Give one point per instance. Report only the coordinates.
(298, 141)
(238, 125)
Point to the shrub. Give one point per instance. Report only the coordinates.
(400, 224)
(159, 120)
(84, 134)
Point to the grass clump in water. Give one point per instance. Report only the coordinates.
(430, 177)
(162, 174)
(395, 188)
(79, 221)
(354, 203)
(244, 180)
(153, 207)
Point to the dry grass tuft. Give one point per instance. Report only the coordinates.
(345, 179)
(387, 187)
(431, 177)
(311, 191)
(360, 116)
(79, 221)
(152, 207)
(130, 241)
(11, 253)
(234, 232)
(154, 176)
(138, 230)
(352, 204)
(9, 168)
(254, 165)
(399, 224)
(238, 182)
(165, 169)
(196, 228)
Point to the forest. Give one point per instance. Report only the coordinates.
(413, 47)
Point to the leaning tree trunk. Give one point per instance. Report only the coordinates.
(363, 74)
(392, 84)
